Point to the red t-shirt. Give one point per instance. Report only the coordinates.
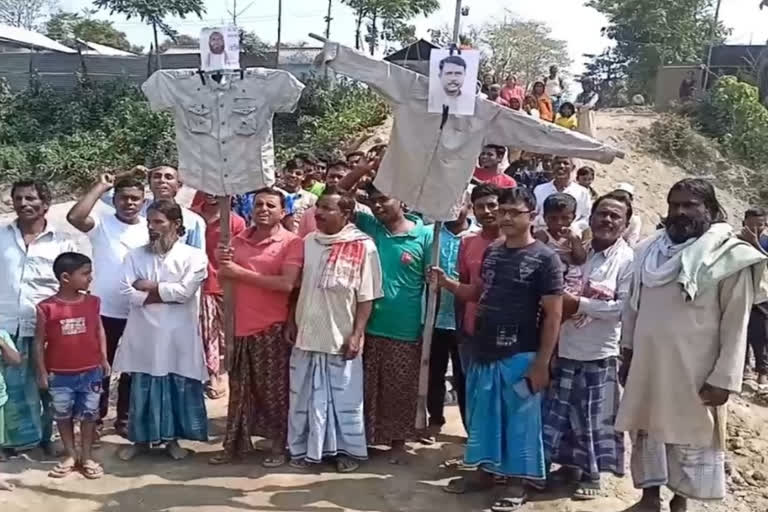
(471, 252)
(499, 179)
(72, 343)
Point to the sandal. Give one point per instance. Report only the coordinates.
(302, 463)
(92, 470)
(509, 504)
(214, 394)
(346, 465)
(274, 461)
(220, 460)
(587, 491)
(62, 470)
(463, 485)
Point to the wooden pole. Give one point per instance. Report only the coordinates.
(225, 207)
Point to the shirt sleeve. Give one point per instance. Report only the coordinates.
(294, 253)
(8, 341)
(610, 309)
(393, 82)
(366, 223)
(287, 92)
(196, 236)
(510, 128)
(186, 288)
(370, 284)
(159, 91)
(551, 276)
(136, 298)
(736, 298)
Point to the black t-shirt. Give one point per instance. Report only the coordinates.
(509, 309)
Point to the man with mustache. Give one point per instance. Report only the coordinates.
(112, 233)
(684, 340)
(161, 347)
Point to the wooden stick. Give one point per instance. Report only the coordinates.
(426, 337)
(225, 207)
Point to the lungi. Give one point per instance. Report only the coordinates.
(258, 391)
(579, 417)
(23, 418)
(391, 389)
(692, 472)
(504, 428)
(166, 408)
(326, 417)
(212, 328)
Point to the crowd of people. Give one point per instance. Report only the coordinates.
(544, 99)
(560, 324)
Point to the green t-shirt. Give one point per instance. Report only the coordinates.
(6, 338)
(404, 262)
(317, 189)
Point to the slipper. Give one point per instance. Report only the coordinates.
(274, 461)
(509, 504)
(587, 491)
(463, 485)
(346, 465)
(61, 470)
(300, 464)
(214, 394)
(220, 460)
(92, 470)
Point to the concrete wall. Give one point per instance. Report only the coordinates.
(668, 82)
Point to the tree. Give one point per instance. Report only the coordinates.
(24, 13)
(251, 44)
(521, 47)
(442, 36)
(180, 40)
(386, 18)
(67, 27)
(653, 33)
(153, 12)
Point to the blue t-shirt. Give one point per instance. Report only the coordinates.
(509, 309)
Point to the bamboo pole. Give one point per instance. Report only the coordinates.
(225, 207)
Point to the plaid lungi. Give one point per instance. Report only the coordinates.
(212, 329)
(579, 417)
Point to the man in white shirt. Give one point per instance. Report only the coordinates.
(584, 394)
(341, 279)
(563, 182)
(30, 245)
(112, 236)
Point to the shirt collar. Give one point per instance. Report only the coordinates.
(611, 251)
(48, 230)
(448, 232)
(278, 236)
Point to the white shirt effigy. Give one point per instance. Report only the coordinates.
(224, 130)
(421, 154)
(26, 275)
(161, 339)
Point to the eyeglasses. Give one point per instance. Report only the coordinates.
(512, 212)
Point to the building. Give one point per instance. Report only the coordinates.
(91, 48)
(19, 40)
(414, 56)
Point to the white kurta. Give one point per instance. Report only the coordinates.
(161, 339)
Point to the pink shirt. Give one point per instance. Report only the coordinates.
(257, 309)
(499, 179)
(307, 224)
(507, 93)
(471, 252)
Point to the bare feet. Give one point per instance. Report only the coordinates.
(6, 486)
(398, 453)
(175, 451)
(651, 502)
(220, 460)
(678, 504)
(131, 451)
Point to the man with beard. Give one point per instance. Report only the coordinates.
(340, 281)
(684, 340)
(161, 346)
(563, 182)
(218, 58)
(489, 171)
(30, 245)
(112, 236)
(580, 411)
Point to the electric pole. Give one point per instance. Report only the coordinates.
(712, 34)
(328, 20)
(279, 32)
(235, 13)
(457, 23)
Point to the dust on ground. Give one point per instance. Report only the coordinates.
(153, 483)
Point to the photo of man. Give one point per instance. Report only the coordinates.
(452, 82)
(219, 49)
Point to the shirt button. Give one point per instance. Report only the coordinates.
(223, 123)
(226, 175)
(222, 105)
(223, 142)
(225, 159)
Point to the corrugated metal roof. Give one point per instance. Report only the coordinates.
(100, 49)
(31, 39)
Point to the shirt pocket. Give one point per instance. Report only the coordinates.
(199, 119)
(244, 119)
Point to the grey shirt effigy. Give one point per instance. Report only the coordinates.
(224, 130)
(429, 168)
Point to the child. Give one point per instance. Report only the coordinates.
(72, 360)
(566, 116)
(566, 240)
(8, 355)
(585, 177)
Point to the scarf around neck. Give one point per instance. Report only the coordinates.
(344, 267)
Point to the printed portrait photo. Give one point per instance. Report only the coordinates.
(219, 49)
(453, 81)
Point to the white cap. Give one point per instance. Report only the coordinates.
(627, 187)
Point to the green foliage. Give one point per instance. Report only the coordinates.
(153, 12)
(68, 138)
(251, 44)
(732, 113)
(651, 33)
(386, 19)
(67, 27)
(327, 116)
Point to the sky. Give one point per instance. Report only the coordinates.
(570, 20)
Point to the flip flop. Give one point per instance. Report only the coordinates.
(214, 394)
(587, 491)
(300, 464)
(346, 465)
(274, 461)
(61, 470)
(509, 504)
(220, 460)
(463, 485)
(92, 470)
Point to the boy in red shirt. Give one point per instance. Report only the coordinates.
(72, 360)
